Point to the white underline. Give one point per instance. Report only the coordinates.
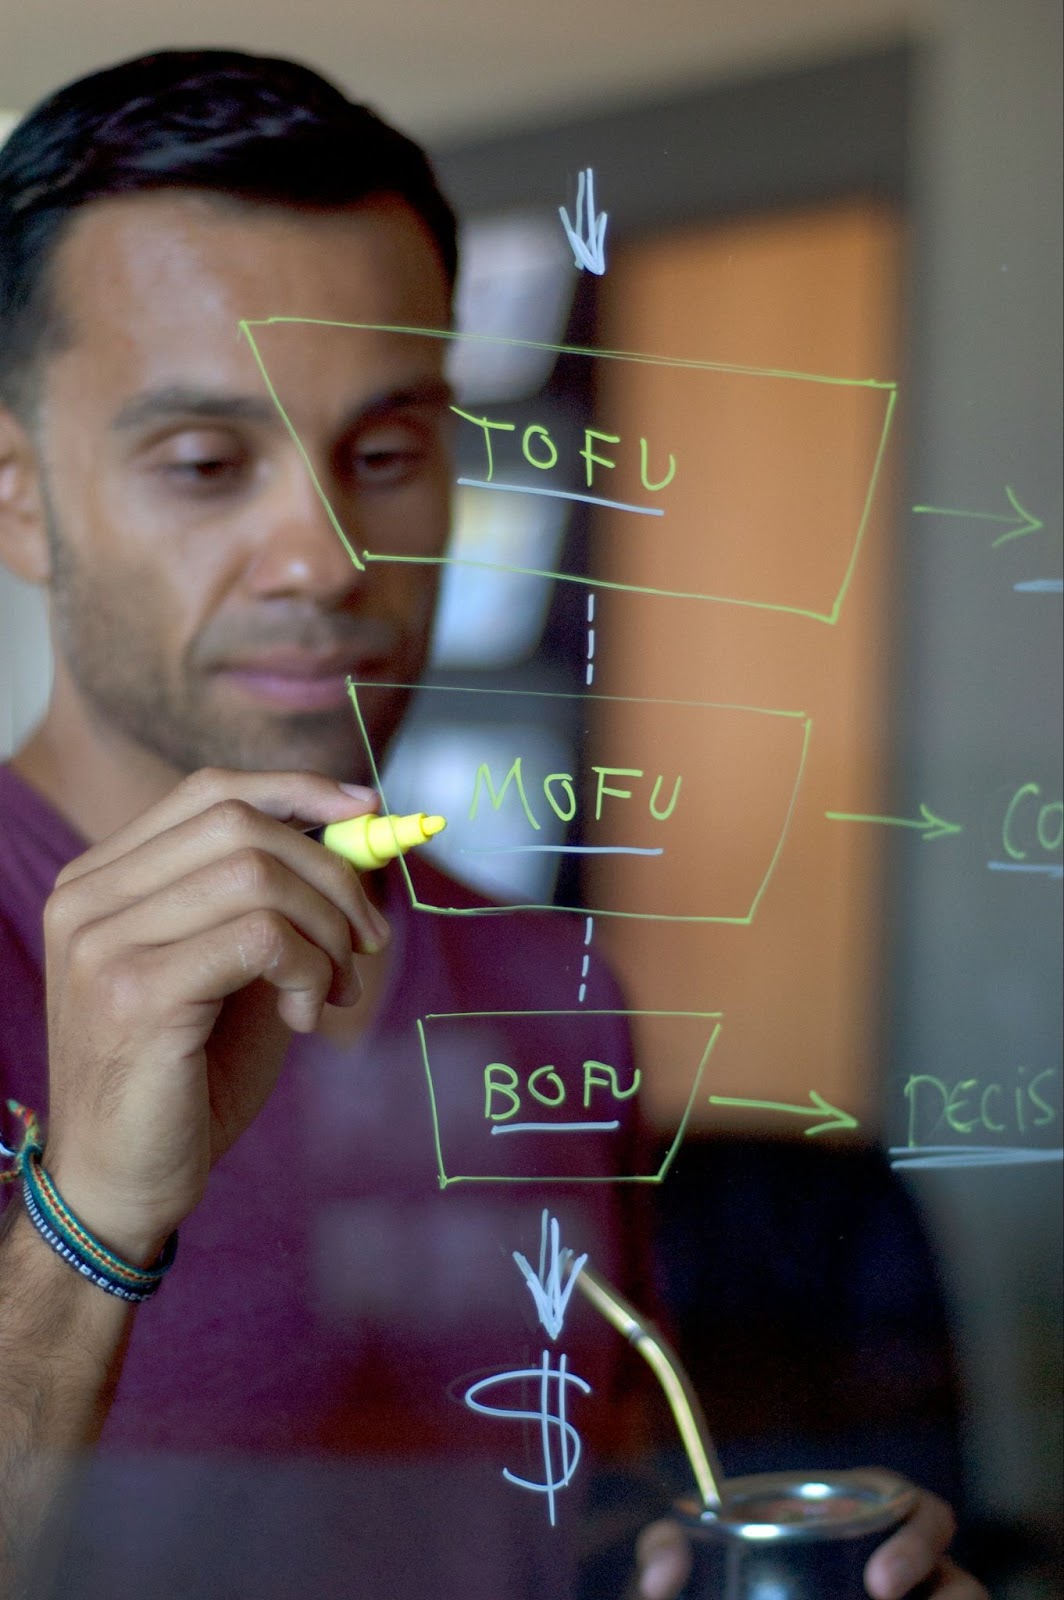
(1053, 869)
(909, 1157)
(562, 494)
(564, 850)
(557, 1127)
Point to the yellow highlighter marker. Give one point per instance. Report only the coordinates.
(369, 842)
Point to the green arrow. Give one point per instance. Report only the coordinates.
(930, 826)
(837, 1121)
(1027, 523)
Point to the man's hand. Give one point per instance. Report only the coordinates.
(915, 1553)
(180, 954)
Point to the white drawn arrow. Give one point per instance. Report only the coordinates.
(587, 235)
(546, 1285)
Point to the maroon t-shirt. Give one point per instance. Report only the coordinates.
(331, 1300)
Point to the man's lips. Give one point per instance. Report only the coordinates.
(295, 681)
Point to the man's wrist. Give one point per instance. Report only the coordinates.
(44, 1299)
(118, 1226)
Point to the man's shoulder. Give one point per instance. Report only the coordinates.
(32, 845)
(31, 829)
(35, 845)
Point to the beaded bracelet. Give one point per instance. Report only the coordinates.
(69, 1238)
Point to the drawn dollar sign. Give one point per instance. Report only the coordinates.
(560, 1440)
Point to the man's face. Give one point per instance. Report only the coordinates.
(204, 606)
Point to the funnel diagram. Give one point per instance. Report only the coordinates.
(616, 807)
(528, 1118)
(737, 769)
(794, 419)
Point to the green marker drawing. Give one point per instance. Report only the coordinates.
(739, 918)
(838, 1121)
(929, 826)
(689, 364)
(1020, 521)
(828, 612)
(712, 1019)
(302, 452)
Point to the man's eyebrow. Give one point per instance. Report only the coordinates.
(433, 392)
(163, 405)
(176, 400)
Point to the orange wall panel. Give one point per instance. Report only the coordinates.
(771, 477)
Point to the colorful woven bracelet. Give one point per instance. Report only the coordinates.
(68, 1237)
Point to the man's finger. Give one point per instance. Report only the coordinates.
(153, 993)
(957, 1585)
(914, 1552)
(217, 895)
(229, 837)
(304, 797)
(663, 1557)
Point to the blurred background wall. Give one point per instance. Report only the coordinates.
(959, 689)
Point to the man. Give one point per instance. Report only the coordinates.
(325, 1300)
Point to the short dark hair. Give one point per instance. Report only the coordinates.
(253, 128)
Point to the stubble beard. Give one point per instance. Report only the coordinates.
(108, 630)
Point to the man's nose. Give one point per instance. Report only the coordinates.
(300, 550)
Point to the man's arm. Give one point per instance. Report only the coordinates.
(61, 1343)
(180, 954)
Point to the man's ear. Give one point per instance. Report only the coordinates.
(23, 532)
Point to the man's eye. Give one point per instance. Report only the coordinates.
(209, 469)
(207, 477)
(202, 460)
(386, 466)
(388, 456)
